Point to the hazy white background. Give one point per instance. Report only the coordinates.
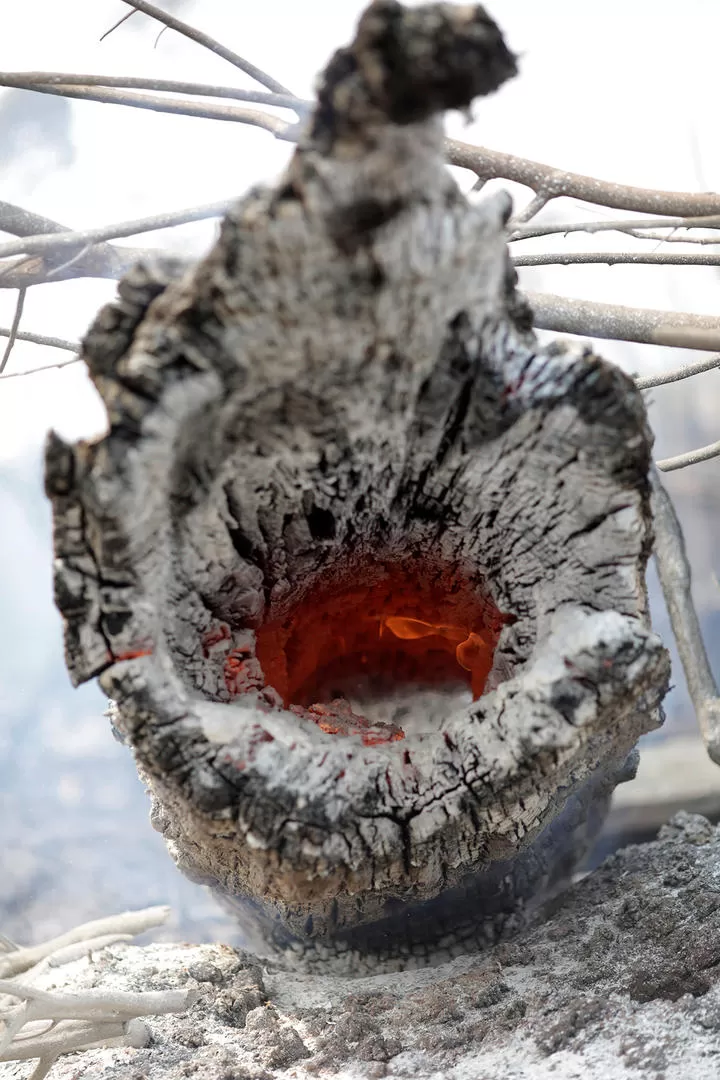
(625, 91)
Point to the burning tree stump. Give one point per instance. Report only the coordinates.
(360, 563)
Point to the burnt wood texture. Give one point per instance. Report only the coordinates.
(359, 562)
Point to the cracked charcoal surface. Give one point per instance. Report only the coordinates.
(345, 393)
(620, 980)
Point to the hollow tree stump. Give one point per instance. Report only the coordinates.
(360, 563)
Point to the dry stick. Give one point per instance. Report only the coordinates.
(676, 374)
(648, 326)
(528, 232)
(9, 270)
(52, 342)
(12, 336)
(101, 261)
(127, 922)
(210, 43)
(36, 80)
(43, 1067)
(670, 238)
(63, 1039)
(180, 106)
(675, 578)
(40, 339)
(21, 222)
(118, 23)
(83, 1019)
(553, 183)
(692, 457)
(95, 1003)
(614, 258)
(54, 241)
(528, 212)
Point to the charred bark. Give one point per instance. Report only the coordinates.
(360, 563)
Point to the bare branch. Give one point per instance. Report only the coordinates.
(675, 578)
(210, 43)
(553, 183)
(615, 258)
(43, 367)
(101, 261)
(180, 106)
(53, 241)
(50, 248)
(672, 237)
(12, 336)
(692, 457)
(41, 339)
(685, 372)
(36, 80)
(528, 212)
(527, 232)
(649, 326)
(116, 24)
(20, 222)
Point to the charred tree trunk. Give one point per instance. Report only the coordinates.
(360, 563)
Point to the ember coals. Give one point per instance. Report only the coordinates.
(338, 718)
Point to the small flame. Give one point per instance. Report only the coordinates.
(471, 648)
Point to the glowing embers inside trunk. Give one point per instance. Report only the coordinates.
(391, 651)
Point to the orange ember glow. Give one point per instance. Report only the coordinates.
(387, 627)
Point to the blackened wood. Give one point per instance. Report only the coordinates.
(347, 383)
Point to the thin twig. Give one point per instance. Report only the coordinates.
(35, 80)
(671, 237)
(589, 318)
(35, 370)
(210, 43)
(54, 241)
(677, 374)
(491, 164)
(118, 23)
(179, 106)
(59, 272)
(102, 260)
(692, 457)
(12, 336)
(615, 258)
(528, 232)
(675, 578)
